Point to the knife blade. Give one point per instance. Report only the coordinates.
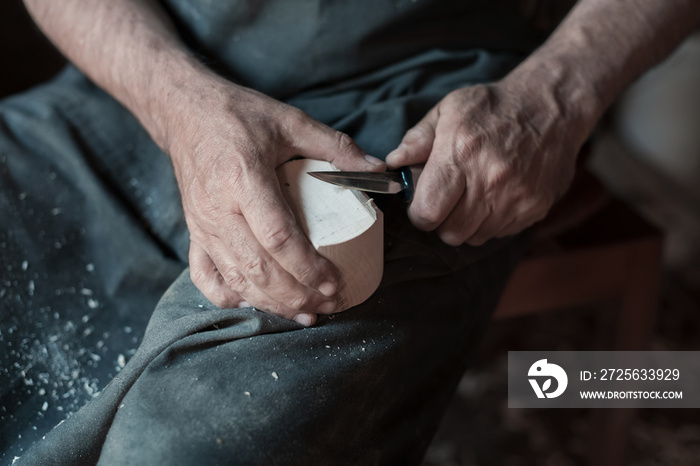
(389, 182)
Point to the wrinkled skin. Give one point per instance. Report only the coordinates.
(246, 248)
(496, 158)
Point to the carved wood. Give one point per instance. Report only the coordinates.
(344, 225)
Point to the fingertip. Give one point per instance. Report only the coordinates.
(422, 216)
(476, 242)
(226, 298)
(395, 158)
(328, 288)
(328, 307)
(305, 319)
(327, 279)
(359, 162)
(345, 154)
(376, 164)
(450, 238)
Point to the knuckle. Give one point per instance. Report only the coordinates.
(344, 142)
(224, 173)
(501, 176)
(297, 120)
(198, 277)
(451, 238)
(235, 280)
(490, 207)
(536, 204)
(255, 270)
(209, 288)
(522, 196)
(529, 194)
(465, 144)
(219, 299)
(276, 238)
(197, 237)
(278, 310)
(299, 303)
(477, 240)
(297, 114)
(308, 274)
(417, 133)
(457, 94)
(427, 215)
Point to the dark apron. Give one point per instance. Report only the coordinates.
(92, 237)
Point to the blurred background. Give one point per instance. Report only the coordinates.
(646, 152)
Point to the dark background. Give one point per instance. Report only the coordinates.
(26, 56)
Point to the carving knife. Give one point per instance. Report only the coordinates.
(401, 181)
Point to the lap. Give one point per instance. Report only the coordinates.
(238, 386)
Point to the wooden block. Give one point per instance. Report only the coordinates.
(344, 225)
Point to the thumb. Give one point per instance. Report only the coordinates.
(417, 144)
(321, 142)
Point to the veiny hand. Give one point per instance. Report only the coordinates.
(497, 157)
(246, 248)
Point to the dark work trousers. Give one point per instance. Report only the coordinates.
(93, 239)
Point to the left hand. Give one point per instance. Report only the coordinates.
(497, 157)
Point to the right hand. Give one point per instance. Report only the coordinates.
(246, 248)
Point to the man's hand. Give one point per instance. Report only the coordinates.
(225, 142)
(246, 247)
(497, 156)
(496, 160)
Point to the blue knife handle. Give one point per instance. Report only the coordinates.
(410, 176)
